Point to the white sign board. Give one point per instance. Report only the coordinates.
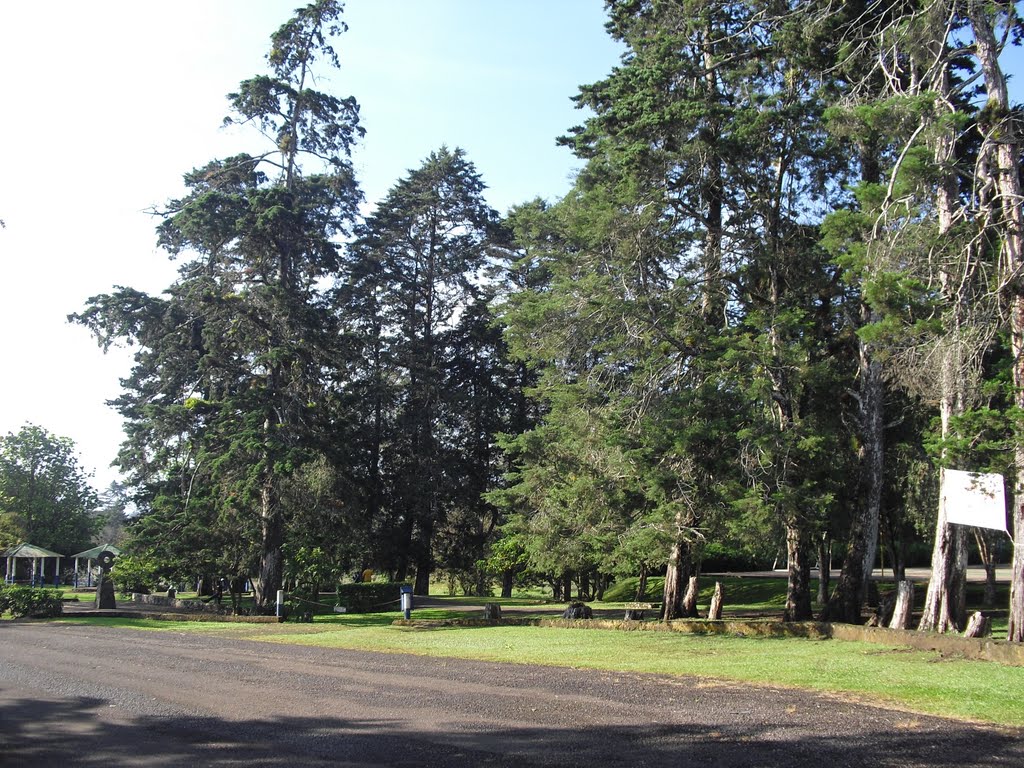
(972, 498)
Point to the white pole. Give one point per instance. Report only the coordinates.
(280, 602)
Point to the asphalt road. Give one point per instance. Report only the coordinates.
(92, 696)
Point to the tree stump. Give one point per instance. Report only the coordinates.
(690, 598)
(715, 611)
(901, 613)
(578, 611)
(492, 611)
(979, 625)
(635, 611)
(884, 611)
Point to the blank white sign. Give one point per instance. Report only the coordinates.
(973, 498)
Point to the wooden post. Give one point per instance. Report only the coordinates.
(904, 605)
(715, 611)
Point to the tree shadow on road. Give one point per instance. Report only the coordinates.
(84, 731)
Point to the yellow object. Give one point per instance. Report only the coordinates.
(367, 575)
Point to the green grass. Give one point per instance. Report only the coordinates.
(915, 681)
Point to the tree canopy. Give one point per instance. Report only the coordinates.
(782, 294)
(45, 496)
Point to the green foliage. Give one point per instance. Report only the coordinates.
(32, 602)
(133, 573)
(231, 391)
(45, 496)
(369, 598)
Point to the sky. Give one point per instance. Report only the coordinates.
(109, 102)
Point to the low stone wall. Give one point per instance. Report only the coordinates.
(982, 649)
(192, 606)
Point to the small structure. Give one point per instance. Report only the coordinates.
(90, 556)
(38, 556)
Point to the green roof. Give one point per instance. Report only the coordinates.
(29, 550)
(92, 554)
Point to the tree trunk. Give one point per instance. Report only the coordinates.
(271, 560)
(567, 586)
(945, 608)
(690, 598)
(901, 614)
(600, 585)
(824, 568)
(424, 557)
(985, 540)
(507, 580)
(676, 573)
(1003, 146)
(715, 611)
(798, 590)
(862, 544)
(641, 585)
(556, 587)
(1015, 628)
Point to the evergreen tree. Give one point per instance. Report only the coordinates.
(417, 265)
(231, 390)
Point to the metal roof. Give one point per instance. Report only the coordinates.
(29, 550)
(92, 554)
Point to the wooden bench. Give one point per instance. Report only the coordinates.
(635, 611)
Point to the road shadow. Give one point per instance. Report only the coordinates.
(83, 731)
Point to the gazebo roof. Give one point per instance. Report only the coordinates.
(92, 554)
(29, 550)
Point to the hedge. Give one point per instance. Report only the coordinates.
(370, 598)
(30, 601)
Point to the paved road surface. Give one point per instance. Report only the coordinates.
(89, 696)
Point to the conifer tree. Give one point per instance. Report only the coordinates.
(230, 392)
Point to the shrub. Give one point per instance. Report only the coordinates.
(369, 598)
(31, 601)
(134, 574)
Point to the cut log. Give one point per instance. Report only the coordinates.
(715, 611)
(690, 598)
(901, 614)
(979, 625)
(492, 611)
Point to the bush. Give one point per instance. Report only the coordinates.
(369, 598)
(134, 574)
(31, 601)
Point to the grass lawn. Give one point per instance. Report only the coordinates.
(915, 681)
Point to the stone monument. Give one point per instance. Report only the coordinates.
(105, 588)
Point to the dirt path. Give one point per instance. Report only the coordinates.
(93, 696)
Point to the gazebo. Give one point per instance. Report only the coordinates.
(89, 555)
(38, 556)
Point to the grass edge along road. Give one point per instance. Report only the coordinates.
(891, 676)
